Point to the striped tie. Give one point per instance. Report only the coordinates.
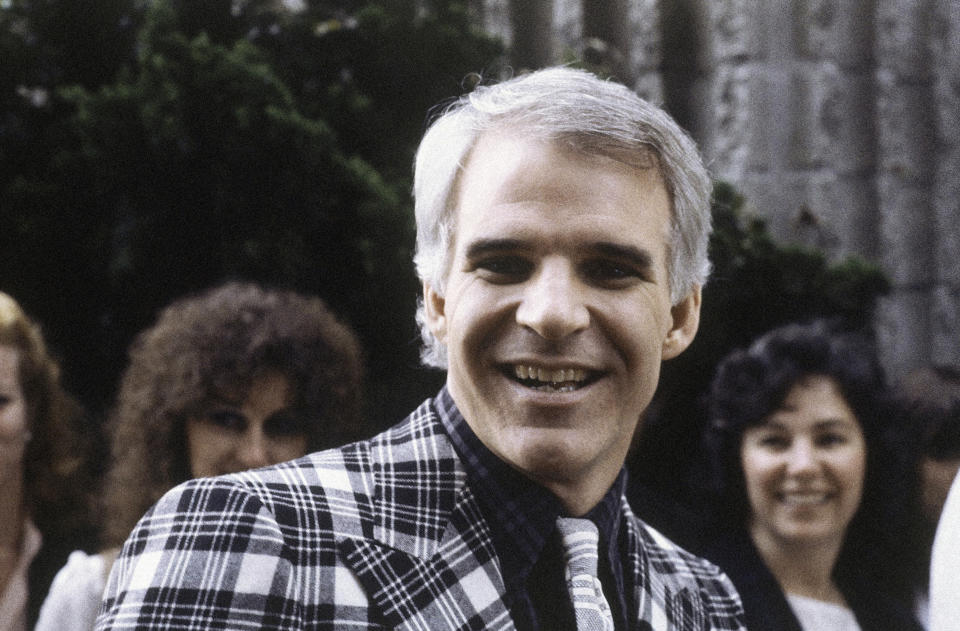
(580, 540)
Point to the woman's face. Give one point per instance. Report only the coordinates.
(13, 408)
(231, 436)
(804, 467)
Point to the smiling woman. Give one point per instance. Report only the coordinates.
(231, 379)
(803, 470)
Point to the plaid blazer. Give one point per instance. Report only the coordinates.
(379, 534)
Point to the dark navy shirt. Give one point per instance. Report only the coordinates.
(522, 517)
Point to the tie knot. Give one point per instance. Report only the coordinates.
(580, 539)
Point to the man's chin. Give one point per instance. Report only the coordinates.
(547, 453)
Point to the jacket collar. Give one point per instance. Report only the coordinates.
(430, 562)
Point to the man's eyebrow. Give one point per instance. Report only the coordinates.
(482, 247)
(628, 253)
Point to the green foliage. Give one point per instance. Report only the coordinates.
(230, 139)
(756, 285)
(148, 149)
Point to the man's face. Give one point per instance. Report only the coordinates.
(557, 312)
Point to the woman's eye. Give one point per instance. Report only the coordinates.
(773, 442)
(831, 440)
(284, 424)
(227, 419)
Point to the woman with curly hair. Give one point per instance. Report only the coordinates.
(807, 484)
(41, 468)
(232, 379)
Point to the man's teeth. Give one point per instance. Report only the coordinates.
(571, 376)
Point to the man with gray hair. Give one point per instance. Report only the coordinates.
(562, 227)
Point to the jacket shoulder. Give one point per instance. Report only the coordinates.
(689, 591)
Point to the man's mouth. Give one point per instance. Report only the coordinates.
(551, 379)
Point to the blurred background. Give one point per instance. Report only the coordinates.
(152, 149)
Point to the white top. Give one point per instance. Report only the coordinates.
(818, 615)
(921, 607)
(74, 597)
(945, 565)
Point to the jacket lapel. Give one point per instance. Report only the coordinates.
(430, 563)
(662, 603)
(458, 587)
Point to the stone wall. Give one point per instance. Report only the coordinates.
(838, 119)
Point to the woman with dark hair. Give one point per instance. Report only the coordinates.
(41, 468)
(806, 485)
(232, 379)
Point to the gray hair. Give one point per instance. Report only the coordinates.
(592, 115)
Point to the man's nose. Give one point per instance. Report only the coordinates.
(553, 302)
(253, 450)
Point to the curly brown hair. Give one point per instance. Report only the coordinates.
(54, 459)
(213, 344)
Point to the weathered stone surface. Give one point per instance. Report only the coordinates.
(906, 131)
(905, 245)
(837, 30)
(495, 16)
(649, 86)
(824, 133)
(733, 120)
(735, 31)
(903, 333)
(842, 218)
(568, 26)
(839, 120)
(815, 28)
(817, 121)
(945, 324)
(643, 19)
(778, 198)
(946, 221)
(765, 112)
(947, 102)
(901, 38)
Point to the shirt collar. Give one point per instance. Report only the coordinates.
(522, 514)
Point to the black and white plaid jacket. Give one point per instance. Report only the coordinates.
(379, 534)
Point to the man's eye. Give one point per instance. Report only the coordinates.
(607, 271)
(228, 420)
(284, 424)
(504, 268)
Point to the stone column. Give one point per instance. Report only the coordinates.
(945, 58)
(645, 50)
(906, 167)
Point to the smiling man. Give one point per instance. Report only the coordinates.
(562, 226)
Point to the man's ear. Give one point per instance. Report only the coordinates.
(686, 321)
(434, 305)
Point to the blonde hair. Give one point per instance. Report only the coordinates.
(55, 485)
